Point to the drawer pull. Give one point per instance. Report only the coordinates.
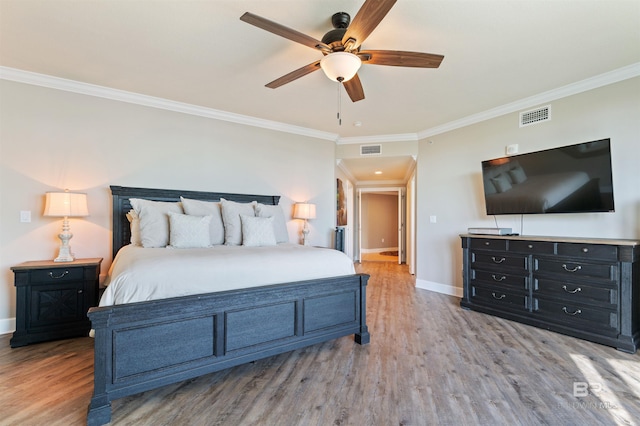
(566, 268)
(497, 260)
(486, 243)
(58, 276)
(576, 312)
(578, 289)
(79, 291)
(530, 246)
(585, 250)
(498, 279)
(502, 296)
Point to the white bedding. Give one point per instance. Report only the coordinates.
(139, 274)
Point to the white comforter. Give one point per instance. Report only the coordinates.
(138, 274)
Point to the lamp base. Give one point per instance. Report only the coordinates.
(65, 255)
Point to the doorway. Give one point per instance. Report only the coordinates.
(381, 230)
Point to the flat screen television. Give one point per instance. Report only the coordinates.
(569, 179)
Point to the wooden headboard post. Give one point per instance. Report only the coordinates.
(122, 205)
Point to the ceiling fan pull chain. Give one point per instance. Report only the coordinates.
(339, 101)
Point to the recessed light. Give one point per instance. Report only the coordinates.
(378, 172)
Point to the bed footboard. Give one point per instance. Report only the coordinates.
(142, 346)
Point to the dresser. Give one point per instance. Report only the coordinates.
(52, 299)
(586, 288)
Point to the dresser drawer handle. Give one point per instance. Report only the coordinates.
(576, 312)
(585, 250)
(578, 289)
(530, 246)
(79, 291)
(59, 276)
(498, 279)
(497, 260)
(502, 296)
(486, 243)
(566, 268)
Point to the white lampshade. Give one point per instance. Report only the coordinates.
(304, 211)
(66, 204)
(340, 66)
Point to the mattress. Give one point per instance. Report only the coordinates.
(140, 274)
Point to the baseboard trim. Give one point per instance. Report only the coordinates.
(379, 250)
(7, 325)
(439, 288)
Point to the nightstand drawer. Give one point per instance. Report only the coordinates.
(55, 304)
(56, 275)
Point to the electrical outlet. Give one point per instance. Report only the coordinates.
(25, 216)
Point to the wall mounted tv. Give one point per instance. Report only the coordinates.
(569, 179)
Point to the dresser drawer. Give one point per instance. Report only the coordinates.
(588, 251)
(590, 317)
(568, 269)
(577, 292)
(498, 297)
(536, 247)
(498, 260)
(488, 244)
(57, 275)
(517, 282)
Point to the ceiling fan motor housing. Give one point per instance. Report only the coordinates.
(340, 22)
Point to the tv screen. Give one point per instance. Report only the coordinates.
(569, 179)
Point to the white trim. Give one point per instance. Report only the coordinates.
(439, 288)
(620, 74)
(611, 77)
(43, 80)
(7, 325)
(379, 250)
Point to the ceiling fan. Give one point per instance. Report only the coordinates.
(341, 47)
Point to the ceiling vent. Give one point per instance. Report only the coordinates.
(370, 149)
(535, 116)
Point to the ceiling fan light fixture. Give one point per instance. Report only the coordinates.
(340, 66)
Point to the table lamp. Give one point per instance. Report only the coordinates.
(304, 211)
(65, 204)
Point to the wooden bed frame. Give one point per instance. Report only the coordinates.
(145, 345)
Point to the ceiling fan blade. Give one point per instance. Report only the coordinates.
(365, 21)
(281, 30)
(294, 75)
(398, 58)
(354, 88)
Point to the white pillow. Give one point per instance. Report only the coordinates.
(186, 231)
(134, 225)
(154, 220)
(207, 208)
(501, 182)
(517, 175)
(279, 222)
(231, 212)
(257, 231)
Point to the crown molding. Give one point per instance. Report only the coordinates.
(343, 168)
(607, 78)
(27, 77)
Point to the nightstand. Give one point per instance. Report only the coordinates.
(52, 299)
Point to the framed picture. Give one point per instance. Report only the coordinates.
(341, 214)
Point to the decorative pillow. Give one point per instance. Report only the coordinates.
(231, 212)
(134, 225)
(501, 182)
(517, 175)
(489, 188)
(186, 231)
(279, 222)
(257, 231)
(154, 220)
(207, 208)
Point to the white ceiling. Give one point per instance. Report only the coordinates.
(200, 53)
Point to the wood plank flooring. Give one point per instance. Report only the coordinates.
(429, 363)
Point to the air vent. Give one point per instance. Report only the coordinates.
(370, 149)
(535, 116)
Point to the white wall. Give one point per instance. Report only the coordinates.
(51, 140)
(449, 180)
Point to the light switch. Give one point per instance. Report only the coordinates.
(432, 219)
(25, 216)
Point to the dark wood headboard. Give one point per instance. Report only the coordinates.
(121, 205)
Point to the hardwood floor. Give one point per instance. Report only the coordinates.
(429, 362)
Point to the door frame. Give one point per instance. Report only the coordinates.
(402, 211)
